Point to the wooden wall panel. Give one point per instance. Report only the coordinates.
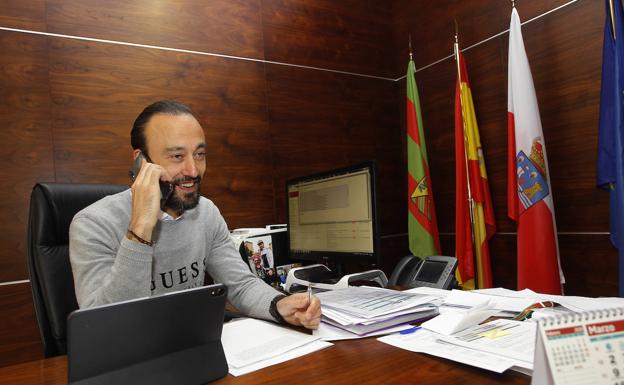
(19, 334)
(320, 121)
(351, 35)
(67, 105)
(431, 24)
(231, 27)
(23, 14)
(27, 141)
(589, 263)
(114, 83)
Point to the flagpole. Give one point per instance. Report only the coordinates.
(612, 17)
(461, 103)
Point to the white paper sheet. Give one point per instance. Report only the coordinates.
(424, 341)
(365, 302)
(328, 332)
(472, 299)
(573, 303)
(455, 321)
(438, 293)
(301, 351)
(510, 339)
(366, 329)
(249, 341)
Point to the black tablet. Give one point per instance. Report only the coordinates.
(173, 338)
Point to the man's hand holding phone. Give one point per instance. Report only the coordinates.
(146, 197)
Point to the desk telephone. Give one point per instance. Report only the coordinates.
(436, 271)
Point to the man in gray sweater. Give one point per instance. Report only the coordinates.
(135, 244)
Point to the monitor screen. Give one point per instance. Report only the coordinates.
(332, 216)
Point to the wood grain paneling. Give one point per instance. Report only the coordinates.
(589, 263)
(114, 83)
(27, 141)
(19, 335)
(230, 27)
(393, 248)
(431, 24)
(320, 121)
(23, 14)
(351, 35)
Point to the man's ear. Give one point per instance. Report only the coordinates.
(136, 153)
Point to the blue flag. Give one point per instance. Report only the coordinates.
(610, 167)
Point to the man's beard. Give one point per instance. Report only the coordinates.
(187, 202)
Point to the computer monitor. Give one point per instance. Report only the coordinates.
(332, 216)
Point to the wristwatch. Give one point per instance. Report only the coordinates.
(273, 309)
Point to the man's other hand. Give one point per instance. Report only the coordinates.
(298, 310)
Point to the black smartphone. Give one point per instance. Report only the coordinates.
(166, 188)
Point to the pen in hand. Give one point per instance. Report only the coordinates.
(309, 295)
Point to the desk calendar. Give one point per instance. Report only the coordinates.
(581, 348)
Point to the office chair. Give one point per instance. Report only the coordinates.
(52, 208)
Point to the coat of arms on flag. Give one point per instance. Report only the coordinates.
(532, 184)
(421, 198)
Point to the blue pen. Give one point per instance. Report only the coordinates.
(410, 330)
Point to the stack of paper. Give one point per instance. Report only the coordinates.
(508, 339)
(425, 341)
(251, 344)
(365, 310)
(458, 335)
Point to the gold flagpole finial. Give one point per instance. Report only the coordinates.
(513, 3)
(410, 46)
(456, 31)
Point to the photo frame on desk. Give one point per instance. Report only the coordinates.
(267, 256)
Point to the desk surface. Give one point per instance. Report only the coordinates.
(365, 361)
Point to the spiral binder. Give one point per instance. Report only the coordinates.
(580, 348)
(589, 315)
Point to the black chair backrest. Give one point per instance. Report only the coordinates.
(52, 208)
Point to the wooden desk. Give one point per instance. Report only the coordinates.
(359, 362)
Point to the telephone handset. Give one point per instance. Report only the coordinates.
(436, 271)
(166, 188)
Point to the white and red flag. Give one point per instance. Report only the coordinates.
(529, 194)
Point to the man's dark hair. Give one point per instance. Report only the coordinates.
(171, 107)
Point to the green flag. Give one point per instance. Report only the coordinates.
(422, 222)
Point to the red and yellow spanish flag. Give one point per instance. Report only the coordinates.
(421, 218)
(470, 174)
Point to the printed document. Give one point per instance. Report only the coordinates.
(576, 304)
(251, 343)
(328, 332)
(510, 339)
(424, 341)
(367, 302)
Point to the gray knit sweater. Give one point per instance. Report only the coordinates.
(108, 267)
